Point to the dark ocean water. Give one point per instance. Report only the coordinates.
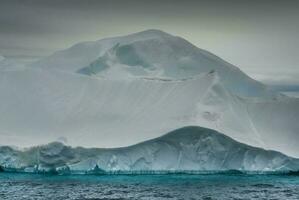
(226, 186)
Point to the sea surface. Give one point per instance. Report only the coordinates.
(14, 186)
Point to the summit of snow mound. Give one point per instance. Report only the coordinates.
(151, 33)
(188, 148)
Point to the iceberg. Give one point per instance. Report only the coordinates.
(133, 88)
(184, 149)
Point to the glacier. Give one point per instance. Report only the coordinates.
(120, 91)
(186, 149)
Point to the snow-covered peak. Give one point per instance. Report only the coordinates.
(142, 35)
(152, 54)
(155, 47)
(152, 32)
(84, 53)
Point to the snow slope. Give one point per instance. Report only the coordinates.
(120, 91)
(188, 148)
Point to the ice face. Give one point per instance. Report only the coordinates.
(188, 148)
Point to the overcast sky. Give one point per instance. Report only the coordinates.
(259, 36)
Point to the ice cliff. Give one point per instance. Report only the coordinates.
(184, 149)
